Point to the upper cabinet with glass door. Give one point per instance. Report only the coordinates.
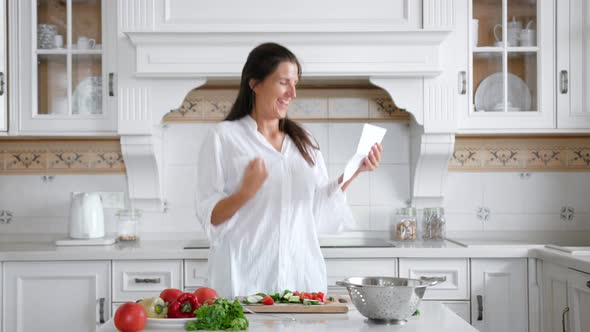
(66, 67)
(511, 65)
(573, 64)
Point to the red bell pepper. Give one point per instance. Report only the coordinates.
(184, 306)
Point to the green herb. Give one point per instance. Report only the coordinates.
(417, 313)
(221, 315)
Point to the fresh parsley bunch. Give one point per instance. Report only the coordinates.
(221, 315)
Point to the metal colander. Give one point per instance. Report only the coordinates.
(387, 300)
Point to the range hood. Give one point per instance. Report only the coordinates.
(166, 48)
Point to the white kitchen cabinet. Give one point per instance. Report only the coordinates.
(499, 299)
(565, 299)
(573, 64)
(62, 69)
(578, 296)
(139, 279)
(195, 274)
(455, 270)
(511, 77)
(554, 297)
(56, 296)
(3, 36)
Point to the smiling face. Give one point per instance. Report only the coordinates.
(276, 91)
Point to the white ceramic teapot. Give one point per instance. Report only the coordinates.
(86, 216)
(513, 33)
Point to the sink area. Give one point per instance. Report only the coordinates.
(355, 243)
(324, 243)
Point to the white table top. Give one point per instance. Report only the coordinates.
(434, 317)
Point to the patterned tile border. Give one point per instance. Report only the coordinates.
(521, 154)
(334, 105)
(61, 156)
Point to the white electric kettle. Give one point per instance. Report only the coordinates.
(86, 216)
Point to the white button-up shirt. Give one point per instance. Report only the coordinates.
(271, 243)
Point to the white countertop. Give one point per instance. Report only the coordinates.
(434, 317)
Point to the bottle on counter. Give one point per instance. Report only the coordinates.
(405, 224)
(128, 224)
(434, 224)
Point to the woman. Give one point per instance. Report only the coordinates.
(263, 193)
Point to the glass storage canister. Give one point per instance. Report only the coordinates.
(128, 224)
(405, 227)
(434, 224)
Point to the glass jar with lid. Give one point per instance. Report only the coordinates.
(128, 224)
(405, 224)
(434, 224)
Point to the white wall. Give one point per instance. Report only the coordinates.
(42, 206)
(517, 201)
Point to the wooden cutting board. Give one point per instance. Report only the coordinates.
(331, 308)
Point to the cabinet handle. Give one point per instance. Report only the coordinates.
(462, 80)
(433, 280)
(479, 307)
(563, 82)
(565, 311)
(1, 83)
(101, 319)
(111, 84)
(147, 280)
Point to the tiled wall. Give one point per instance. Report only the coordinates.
(40, 203)
(373, 196)
(519, 183)
(517, 201)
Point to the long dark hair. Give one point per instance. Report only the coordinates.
(262, 61)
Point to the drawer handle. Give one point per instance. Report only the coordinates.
(101, 319)
(479, 307)
(433, 280)
(147, 280)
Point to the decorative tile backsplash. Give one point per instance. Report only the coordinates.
(521, 153)
(335, 105)
(61, 156)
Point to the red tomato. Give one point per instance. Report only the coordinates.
(296, 293)
(321, 297)
(267, 300)
(170, 294)
(205, 294)
(130, 317)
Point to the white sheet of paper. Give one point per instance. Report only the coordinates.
(371, 135)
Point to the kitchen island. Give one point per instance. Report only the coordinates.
(433, 317)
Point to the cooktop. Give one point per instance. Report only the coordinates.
(324, 243)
